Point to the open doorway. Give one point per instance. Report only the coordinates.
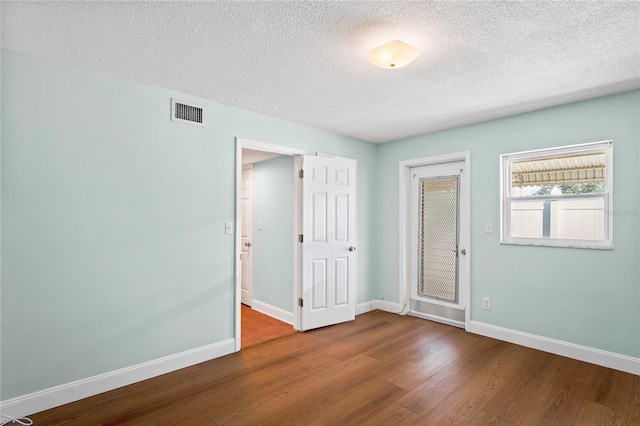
(266, 252)
(266, 223)
(322, 240)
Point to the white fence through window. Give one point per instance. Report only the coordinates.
(577, 218)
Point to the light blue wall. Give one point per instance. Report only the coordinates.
(587, 297)
(113, 250)
(113, 245)
(272, 248)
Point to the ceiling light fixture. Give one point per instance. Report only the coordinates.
(393, 54)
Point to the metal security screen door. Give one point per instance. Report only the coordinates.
(438, 269)
(436, 247)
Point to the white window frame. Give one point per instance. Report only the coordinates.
(505, 189)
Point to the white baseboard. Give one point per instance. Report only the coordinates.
(273, 311)
(385, 305)
(558, 347)
(59, 395)
(363, 308)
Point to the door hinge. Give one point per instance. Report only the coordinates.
(300, 238)
(301, 173)
(300, 303)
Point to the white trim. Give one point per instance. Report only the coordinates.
(565, 243)
(437, 318)
(385, 305)
(285, 150)
(325, 155)
(268, 147)
(560, 150)
(404, 222)
(363, 308)
(583, 353)
(59, 395)
(273, 311)
(297, 246)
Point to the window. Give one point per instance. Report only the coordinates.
(558, 197)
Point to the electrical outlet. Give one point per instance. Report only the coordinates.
(488, 228)
(486, 304)
(228, 228)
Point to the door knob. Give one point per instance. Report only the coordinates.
(352, 248)
(463, 251)
(247, 244)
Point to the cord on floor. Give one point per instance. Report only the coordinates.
(23, 421)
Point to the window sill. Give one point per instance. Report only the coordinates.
(606, 245)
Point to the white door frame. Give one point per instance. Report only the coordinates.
(405, 223)
(285, 150)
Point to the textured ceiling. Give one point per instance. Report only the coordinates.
(305, 61)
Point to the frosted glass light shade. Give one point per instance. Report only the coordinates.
(393, 54)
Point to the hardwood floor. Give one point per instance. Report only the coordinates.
(381, 369)
(259, 328)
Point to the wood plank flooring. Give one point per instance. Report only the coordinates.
(381, 369)
(259, 328)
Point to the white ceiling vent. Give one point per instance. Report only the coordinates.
(187, 113)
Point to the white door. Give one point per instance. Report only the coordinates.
(246, 239)
(438, 240)
(328, 249)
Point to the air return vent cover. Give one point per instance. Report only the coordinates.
(184, 112)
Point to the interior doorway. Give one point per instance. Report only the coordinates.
(266, 224)
(321, 267)
(258, 328)
(266, 253)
